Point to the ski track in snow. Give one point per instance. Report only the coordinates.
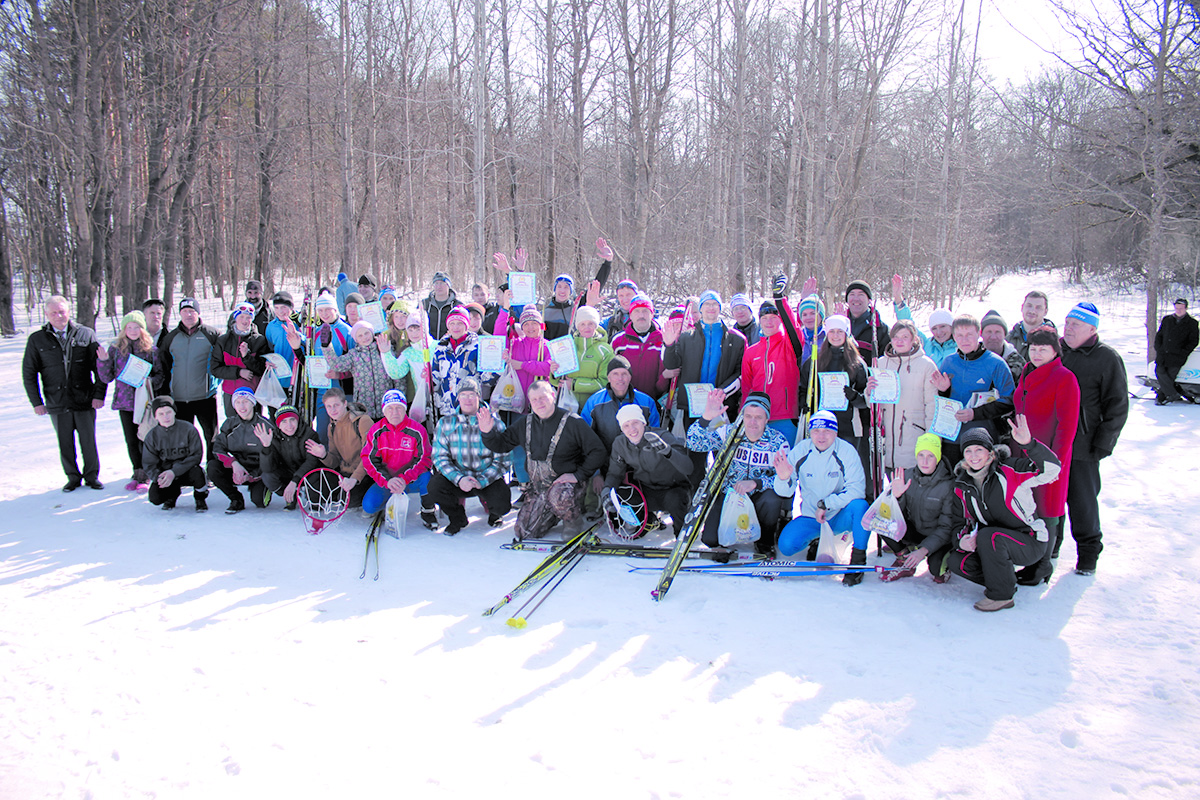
(148, 654)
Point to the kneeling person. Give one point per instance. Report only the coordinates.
(464, 466)
(348, 428)
(395, 454)
(171, 458)
(832, 487)
(289, 453)
(654, 459)
(237, 455)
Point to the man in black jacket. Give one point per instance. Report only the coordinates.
(1177, 337)
(1104, 407)
(171, 457)
(62, 356)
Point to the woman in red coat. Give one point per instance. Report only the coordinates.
(1048, 396)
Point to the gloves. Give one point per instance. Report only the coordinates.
(780, 286)
(326, 335)
(657, 444)
(606, 502)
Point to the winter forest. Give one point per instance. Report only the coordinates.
(160, 147)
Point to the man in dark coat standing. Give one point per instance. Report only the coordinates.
(1103, 409)
(1177, 337)
(62, 357)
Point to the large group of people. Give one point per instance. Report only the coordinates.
(402, 405)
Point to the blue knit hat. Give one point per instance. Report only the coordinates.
(740, 299)
(1086, 313)
(243, 391)
(393, 396)
(627, 284)
(564, 277)
(823, 420)
(709, 295)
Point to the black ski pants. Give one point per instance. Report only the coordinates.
(496, 498)
(202, 411)
(1083, 509)
(998, 551)
(194, 477)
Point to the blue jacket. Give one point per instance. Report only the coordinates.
(936, 352)
(600, 411)
(980, 371)
(277, 337)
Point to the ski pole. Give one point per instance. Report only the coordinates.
(518, 621)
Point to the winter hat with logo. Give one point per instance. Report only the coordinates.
(393, 397)
(1086, 313)
(286, 413)
(189, 302)
(823, 420)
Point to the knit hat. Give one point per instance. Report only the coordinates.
(866, 287)
(468, 385)
(393, 396)
(823, 420)
(253, 284)
(586, 314)
(243, 308)
(325, 301)
(341, 276)
(286, 412)
(283, 298)
(133, 316)
(940, 316)
(399, 305)
(619, 362)
(838, 322)
(768, 307)
(243, 391)
(740, 299)
(362, 323)
(1086, 313)
(709, 295)
(760, 399)
(439, 276)
(931, 442)
(641, 301)
(627, 284)
(993, 318)
(531, 313)
(631, 411)
(475, 308)
(812, 301)
(387, 290)
(415, 318)
(676, 313)
(162, 401)
(1045, 335)
(356, 298)
(366, 280)
(980, 436)
(189, 302)
(459, 313)
(564, 277)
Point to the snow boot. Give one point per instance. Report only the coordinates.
(897, 571)
(858, 558)
(993, 605)
(201, 501)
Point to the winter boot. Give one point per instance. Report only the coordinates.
(811, 555)
(993, 605)
(858, 558)
(897, 571)
(201, 501)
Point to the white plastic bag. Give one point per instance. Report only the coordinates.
(884, 517)
(270, 391)
(834, 548)
(567, 400)
(508, 395)
(397, 515)
(739, 521)
(141, 409)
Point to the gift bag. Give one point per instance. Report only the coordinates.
(397, 515)
(567, 400)
(739, 522)
(508, 395)
(884, 519)
(270, 390)
(834, 548)
(142, 411)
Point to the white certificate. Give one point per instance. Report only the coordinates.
(316, 367)
(697, 397)
(887, 388)
(279, 363)
(135, 371)
(833, 391)
(373, 313)
(524, 288)
(944, 424)
(491, 353)
(562, 350)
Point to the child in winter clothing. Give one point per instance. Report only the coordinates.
(365, 363)
(909, 418)
(348, 429)
(289, 453)
(925, 493)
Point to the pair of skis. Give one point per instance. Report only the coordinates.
(779, 568)
(629, 550)
(558, 563)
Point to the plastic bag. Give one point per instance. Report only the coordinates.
(270, 390)
(834, 548)
(397, 515)
(567, 400)
(508, 395)
(142, 411)
(739, 521)
(884, 518)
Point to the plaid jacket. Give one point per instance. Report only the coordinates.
(458, 451)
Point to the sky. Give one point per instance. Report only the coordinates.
(1016, 36)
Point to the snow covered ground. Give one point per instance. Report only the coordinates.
(148, 654)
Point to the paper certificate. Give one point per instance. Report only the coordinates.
(278, 363)
(491, 353)
(887, 386)
(562, 351)
(983, 398)
(135, 371)
(944, 424)
(316, 367)
(373, 313)
(524, 288)
(833, 391)
(697, 397)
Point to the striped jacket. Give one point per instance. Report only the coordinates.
(396, 451)
(459, 452)
(751, 461)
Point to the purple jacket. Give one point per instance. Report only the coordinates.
(111, 367)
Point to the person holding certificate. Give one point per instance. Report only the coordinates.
(977, 378)
(839, 353)
(592, 352)
(127, 362)
(911, 414)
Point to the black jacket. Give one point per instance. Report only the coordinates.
(867, 335)
(288, 456)
(579, 449)
(687, 355)
(69, 378)
(1006, 498)
(1103, 398)
(177, 448)
(646, 465)
(928, 506)
(437, 313)
(1177, 337)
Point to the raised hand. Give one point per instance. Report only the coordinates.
(315, 448)
(382, 342)
(897, 289)
(243, 349)
(715, 405)
(519, 259)
(603, 251)
(484, 417)
(1020, 429)
(264, 433)
(783, 467)
(500, 262)
(779, 287)
(899, 484)
(839, 307)
(101, 353)
(810, 286)
(940, 381)
(293, 334)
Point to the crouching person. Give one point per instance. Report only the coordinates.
(395, 454)
(289, 453)
(562, 452)
(348, 428)
(237, 455)
(464, 467)
(750, 473)
(995, 519)
(654, 460)
(925, 494)
(171, 458)
(830, 478)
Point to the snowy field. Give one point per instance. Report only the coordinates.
(147, 654)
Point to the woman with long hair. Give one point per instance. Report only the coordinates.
(135, 341)
(839, 353)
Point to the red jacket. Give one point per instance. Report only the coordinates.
(645, 355)
(1048, 396)
(396, 451)
(770, 366)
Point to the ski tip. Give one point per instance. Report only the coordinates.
(517, 622)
